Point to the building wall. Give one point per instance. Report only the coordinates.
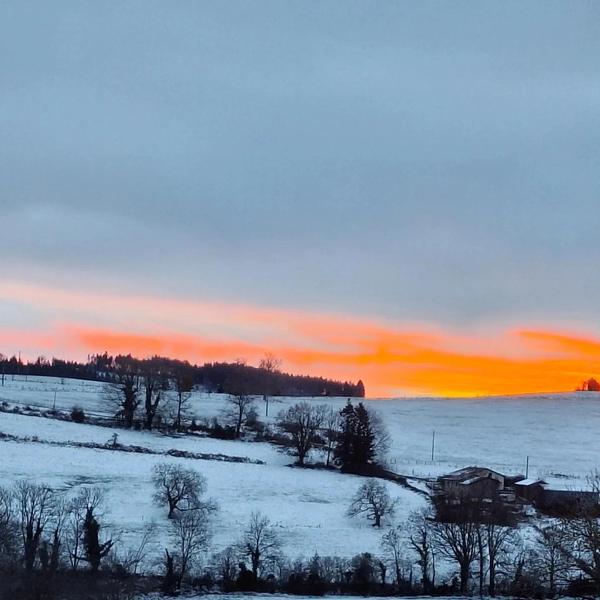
(568, 500)
(532, 493)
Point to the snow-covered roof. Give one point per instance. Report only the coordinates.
(567, 488)
(530, 481)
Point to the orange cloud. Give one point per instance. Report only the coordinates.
(391, 359)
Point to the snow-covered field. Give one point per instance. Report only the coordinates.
(558, 432)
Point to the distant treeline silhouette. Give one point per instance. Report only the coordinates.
(214, 377)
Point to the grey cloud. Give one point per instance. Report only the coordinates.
(416, 160)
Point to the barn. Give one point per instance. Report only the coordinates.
(530, 490)
(472, 483)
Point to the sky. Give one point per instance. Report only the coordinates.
(401, 192)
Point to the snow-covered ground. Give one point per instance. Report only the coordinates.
(307, 506)
(557, 432)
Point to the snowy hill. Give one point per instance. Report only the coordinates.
(307, 506)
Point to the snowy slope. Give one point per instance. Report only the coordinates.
(307, 507)
(556, 431)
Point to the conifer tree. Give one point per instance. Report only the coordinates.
(344, 449)
(364, 439)
(356, 444)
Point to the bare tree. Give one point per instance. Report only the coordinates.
(259, 542)
(155, 386)
(237, 410)
(593, 480)
(87, 500)
(457, 542)
(381, 436)
(550, 555)
(183, 384)
(190, 534)
(580, 544)
(124, 395)
(225, 564)
(8, 529)
(180, 489)
(6, 512)
(302, 422)
(393, 545)
(578, 537)
(497, 541)
(271, 364)
(133, 557)
(419, 533)
(57, 526)
(373, 500)
(331, 429)
(481, 557)
(34, 510)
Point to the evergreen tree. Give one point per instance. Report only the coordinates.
(364, 439)
(355, 449)
(95, 551)
(344, 448)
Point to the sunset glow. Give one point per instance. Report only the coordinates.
(392, 359)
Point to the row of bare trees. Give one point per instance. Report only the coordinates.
(44, 528)
(563, 554)
(158, 395)
(418, 555)
(152, 391)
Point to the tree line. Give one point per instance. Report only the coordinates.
(266, 378)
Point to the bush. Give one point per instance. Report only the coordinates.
(77, 415)
(221, 433)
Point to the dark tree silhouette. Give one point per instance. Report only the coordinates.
(355, 449)
(184, 384)
(95, 550)
(302, 422)
(372, 500)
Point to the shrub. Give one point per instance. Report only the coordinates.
(77, 415)
(222, 433)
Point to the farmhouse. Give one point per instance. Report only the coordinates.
(471, 483)
(480, 484)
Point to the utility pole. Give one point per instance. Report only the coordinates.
(527, 468)
(433, 445)
(54, 403)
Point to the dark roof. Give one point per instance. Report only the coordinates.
(477, 479)
(468, 473)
